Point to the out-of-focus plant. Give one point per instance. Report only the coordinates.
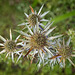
(64, 16)
(71, 33)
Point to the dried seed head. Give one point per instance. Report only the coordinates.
(9, 45)
(65, 52)
(32, 19)
(38, 41)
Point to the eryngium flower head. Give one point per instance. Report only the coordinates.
(38, 40)
(10, 46)
(32, 18)
(64, 51)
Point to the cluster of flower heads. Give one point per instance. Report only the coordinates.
(38, 44)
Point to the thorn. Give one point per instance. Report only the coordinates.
(61, 60)
(28, 52)
(54, 56)
(42, 51)
(31, 9)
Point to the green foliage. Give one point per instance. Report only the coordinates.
(63, 17)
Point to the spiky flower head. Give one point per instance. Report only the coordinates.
(38, 40)
(10, 46)
(32, 18)
(64, 51)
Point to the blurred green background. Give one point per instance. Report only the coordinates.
(62, 13)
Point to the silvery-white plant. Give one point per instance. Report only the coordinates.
(64, 51)
(38, 40)
(32, 18)
(10, 46)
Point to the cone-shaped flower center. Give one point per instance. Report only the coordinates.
(33, 19)
(65, 51)
(38, 41)
(10, 45)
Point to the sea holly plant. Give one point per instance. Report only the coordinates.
(64, 51)
(38, 42)
(32, 18)
(10, 46)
